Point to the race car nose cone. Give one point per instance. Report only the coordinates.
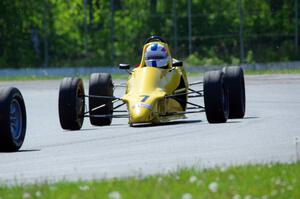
(141, 114)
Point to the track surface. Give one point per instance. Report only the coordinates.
(267, 133)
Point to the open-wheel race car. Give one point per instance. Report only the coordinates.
(12, 119)
(157, 91)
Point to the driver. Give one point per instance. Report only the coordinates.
(156, 55)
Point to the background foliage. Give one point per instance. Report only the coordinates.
(106, 32)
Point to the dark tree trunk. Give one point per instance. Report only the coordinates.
(153, 4)
(154, 17)
(91, 10)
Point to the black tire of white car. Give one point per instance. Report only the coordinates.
(215, 97)
(235, 83)
(12, 119)
(100, 85)
(71, 103)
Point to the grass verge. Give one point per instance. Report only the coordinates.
(242, 182)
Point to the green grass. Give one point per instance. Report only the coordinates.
(252, 181)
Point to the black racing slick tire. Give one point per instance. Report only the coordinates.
(235, 83)
(71, 103)
(12, 119)
(215, 97)
(100, 85)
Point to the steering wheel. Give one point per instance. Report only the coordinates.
(155, 38)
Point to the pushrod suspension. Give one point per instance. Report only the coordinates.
(101, 106)
(102, 97)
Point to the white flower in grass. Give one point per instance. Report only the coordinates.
(38, 194)
(213, 187)
(223, 169)
(231, 177)
(52, 188)
(274, 192)
(270, 165)
(114, 195)
(187, 196)
(84, 188)
(290, 188)
(278, 181)
(159, 179)
(199, 183)
(26, 195)
(264, 197)
(193, 179)
(247, 197)
(236, 196)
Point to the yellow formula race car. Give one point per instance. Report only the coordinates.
(157, 91)
(12, 119)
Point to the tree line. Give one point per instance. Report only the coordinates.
(106, 32)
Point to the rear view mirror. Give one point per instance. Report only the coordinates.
(124, 66)
(178, 64)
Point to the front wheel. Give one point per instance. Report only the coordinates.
(215, 97)
(12, 119)
(234, 81)
(101, 109)
(71, 103)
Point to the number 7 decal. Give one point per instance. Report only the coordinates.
(144, 98)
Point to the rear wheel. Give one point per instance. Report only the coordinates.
(234, 81)
(215, 97)
(12, 119)
(100, 85)
(71, 103)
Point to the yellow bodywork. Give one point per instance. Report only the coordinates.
(147, 89)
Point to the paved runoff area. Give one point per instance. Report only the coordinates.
(268, 133)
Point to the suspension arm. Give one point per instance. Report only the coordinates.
(102, 97)
(196, 83)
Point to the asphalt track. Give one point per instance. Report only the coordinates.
(267, 134)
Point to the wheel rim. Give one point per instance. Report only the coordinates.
(16, 121)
